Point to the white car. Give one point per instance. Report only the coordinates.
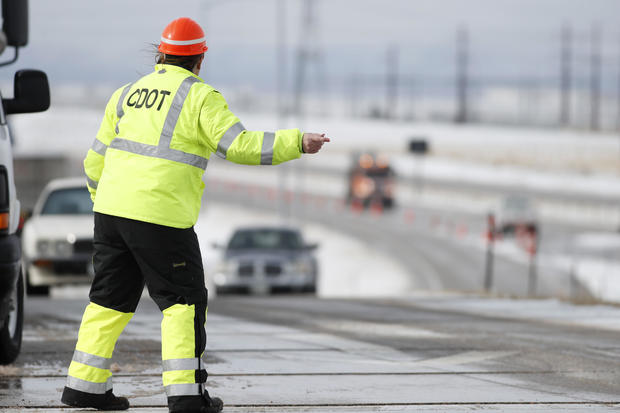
(265, 259)
(57, 241)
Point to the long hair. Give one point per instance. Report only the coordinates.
(186, 62)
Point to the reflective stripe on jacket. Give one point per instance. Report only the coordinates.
(155, 141)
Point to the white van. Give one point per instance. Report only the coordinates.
(30, 94)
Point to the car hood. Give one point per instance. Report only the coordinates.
(59, 226)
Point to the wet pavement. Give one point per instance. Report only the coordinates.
(299, 354)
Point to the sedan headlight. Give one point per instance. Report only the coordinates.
(227, 267)
(220, 278)
(224, 271)
(44, 247)
(49, 248)
(63, 248)
(299, 266)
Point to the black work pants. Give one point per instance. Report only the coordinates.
(130, 253)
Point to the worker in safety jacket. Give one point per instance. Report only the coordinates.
(144, 172)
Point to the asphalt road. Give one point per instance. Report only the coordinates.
(573, 358)
(426, 353)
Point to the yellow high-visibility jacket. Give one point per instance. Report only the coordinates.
(155, 141)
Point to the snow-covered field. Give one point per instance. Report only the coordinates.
(544, 160)
(547, 161)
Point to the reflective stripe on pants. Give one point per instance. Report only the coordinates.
(182, 345)
(89, 370)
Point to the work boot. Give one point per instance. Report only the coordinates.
(195, 404)
(212, 405)
(106, 401)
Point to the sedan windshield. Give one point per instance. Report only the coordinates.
(265, 239)
(68, 201)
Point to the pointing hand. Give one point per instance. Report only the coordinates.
(312, 142)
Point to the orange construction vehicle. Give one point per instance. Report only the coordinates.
(371, 181)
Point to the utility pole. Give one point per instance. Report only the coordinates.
(595, 76)
(462, 84)
(354, 94)
(412, 95)
(488, 267)
(391, 83)
(618, 114)
(307, 53)
(281, 58)
(281, 66)
(566, 57)
(618, 92)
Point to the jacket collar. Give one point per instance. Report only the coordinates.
(177, 69)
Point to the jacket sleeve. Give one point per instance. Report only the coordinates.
(227, 137)
(93, 163)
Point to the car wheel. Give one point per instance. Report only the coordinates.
(11, 332)
(36, 289)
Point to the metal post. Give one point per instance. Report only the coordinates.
(420, 162)
(573, 279)
(532, 277)
(532, 249)
(488, 273)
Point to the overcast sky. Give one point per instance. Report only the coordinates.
(107, 42)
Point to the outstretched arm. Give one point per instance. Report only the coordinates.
(228, 138)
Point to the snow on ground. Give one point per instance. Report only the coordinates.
(553, 161)
(600, 277)
(599, 185)
(549, 311)
(348, 267)
(598, 241)
(59, 131)
(543, 149)
(597, 274)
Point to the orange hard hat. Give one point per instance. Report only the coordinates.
(183, 37)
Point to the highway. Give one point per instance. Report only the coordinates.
(441, 346)
(424, 353)
(442, 248)
(431, 349)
